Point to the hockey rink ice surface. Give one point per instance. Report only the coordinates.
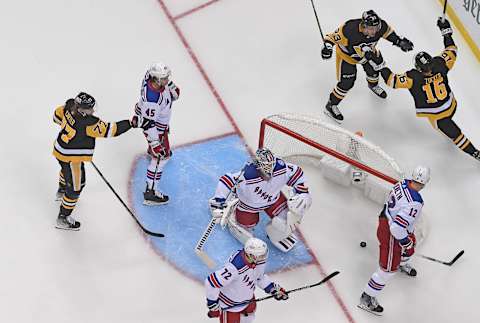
(236, 62)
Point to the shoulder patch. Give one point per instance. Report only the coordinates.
(250, 172)
(237, 260)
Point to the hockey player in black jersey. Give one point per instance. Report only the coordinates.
(354, 40)
(75, 144)
(429, 87)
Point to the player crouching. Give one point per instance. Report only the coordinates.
(241, 196)
(230, 290)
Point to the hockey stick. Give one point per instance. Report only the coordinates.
(204, 257)
(318, 22)
(155, 234)
(444, 10)
(323, 281)
(450, 263)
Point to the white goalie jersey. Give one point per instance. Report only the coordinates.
(234, 284)
(256, 193)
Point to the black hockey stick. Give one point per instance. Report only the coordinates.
(444, 9)
(318, 22)
(323, 281)
(155, 234)
(450, 263)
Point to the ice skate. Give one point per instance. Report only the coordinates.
(333, 112)
(378, 91)
(151, 197)
(370, 304)
(408, 269)
(67, 223)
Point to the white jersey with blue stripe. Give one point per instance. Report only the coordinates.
(157, 106)
(403, 208)
(234, 284)
(256, 193)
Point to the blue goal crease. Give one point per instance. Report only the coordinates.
(190, 179)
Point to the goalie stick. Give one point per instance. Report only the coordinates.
(323, 281)
(450, 263)
(204, 257)
(155, 234)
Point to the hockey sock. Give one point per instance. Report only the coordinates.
(377, 282)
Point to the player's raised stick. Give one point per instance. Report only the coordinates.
(323, 281)
(318, 22)
(449, 263)
(155, 234)
(444, 9)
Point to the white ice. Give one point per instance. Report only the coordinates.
(261, 57)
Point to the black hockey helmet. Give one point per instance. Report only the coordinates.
(423, 62)
(370, 19)
(85, 101)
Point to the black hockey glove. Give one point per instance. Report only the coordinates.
(327, 51)
(405, 44)
(377, 61)
(139, 122)
(444, 26)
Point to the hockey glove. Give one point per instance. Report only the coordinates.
(405, 44)
(140, 122)
(157, 150)
(213, 308)
(278, 292)
(327, 51)
(444, 26)
(377, 62)
(174, 90)
(408, 246)
(217, 208)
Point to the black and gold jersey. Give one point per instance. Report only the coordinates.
(76, 139)
(349, 40)
(432, 94)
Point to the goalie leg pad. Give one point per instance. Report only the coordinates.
(280, 234)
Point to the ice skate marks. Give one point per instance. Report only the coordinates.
(190, 179)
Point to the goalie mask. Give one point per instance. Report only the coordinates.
(256, 250)
(264, 161)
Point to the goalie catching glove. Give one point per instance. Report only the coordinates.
(297, 205)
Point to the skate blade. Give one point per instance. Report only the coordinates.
(332, 117)
(151, 203)
(365, 308)
(67, 229)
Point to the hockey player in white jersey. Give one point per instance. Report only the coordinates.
(396, 236)
(257, 187)
(157, 94)
(230, 290)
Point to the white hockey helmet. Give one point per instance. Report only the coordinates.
(159, 71)
(421, 174)
(256, 250)
(264, 160)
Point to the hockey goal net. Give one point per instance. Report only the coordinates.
(344, 157)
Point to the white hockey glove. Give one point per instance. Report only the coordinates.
(213, 308)
(158, 150)
(299, 203)
(174, 90)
